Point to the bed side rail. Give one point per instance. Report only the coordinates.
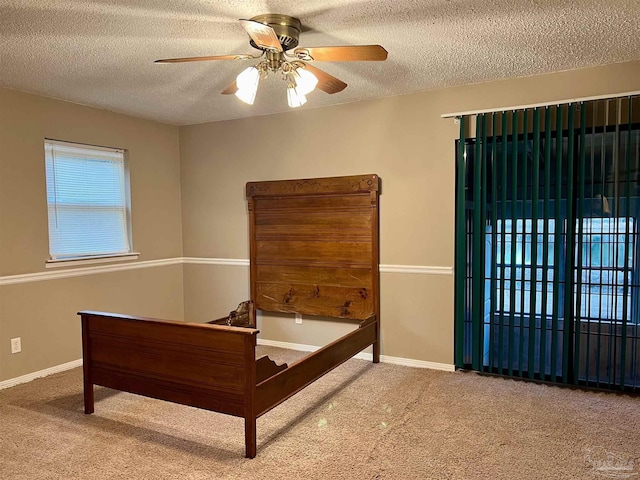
(276, 389)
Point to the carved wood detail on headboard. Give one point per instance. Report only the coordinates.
(314, 246)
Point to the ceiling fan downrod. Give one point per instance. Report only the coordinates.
(274, 60)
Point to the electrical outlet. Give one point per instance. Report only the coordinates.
(299, 318)
(16, 345)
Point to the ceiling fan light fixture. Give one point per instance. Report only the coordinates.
(247, 95)
(295, 98)
(248, 78)
(305, 80)
(247, 82)
(276, 35)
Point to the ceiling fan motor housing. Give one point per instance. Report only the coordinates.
(287, 29)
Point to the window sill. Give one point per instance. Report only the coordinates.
(72, 262)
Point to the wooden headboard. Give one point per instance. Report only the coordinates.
(314, 246)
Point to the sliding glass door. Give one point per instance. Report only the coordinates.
(547, 272)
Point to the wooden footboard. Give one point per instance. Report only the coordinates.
(207, 366)
(314, 251)
(201, 365)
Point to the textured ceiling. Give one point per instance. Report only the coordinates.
(101, 52)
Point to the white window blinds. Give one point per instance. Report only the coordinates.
(87, 197)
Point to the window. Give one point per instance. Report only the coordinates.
(88, 201)
(515, 265)
(604, 250)
(605, 267)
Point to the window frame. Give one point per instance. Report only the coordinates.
(54, 261)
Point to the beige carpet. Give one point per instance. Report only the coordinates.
(361, 421)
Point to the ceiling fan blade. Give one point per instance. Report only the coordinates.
(241, 56)
(262, 35)
(327, 83)
(347, 53)
(231, 89)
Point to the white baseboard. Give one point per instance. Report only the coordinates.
(42, 373)
(407, 362)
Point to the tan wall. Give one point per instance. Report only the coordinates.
(404, 140)
(43, 313)
(223, 290)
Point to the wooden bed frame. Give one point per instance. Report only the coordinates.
(314, 251)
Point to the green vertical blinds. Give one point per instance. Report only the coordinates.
(547, 251)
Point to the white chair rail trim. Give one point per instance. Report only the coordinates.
(419, 269)
(240, 262)
(80, 272)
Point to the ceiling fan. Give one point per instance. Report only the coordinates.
(276, 35)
